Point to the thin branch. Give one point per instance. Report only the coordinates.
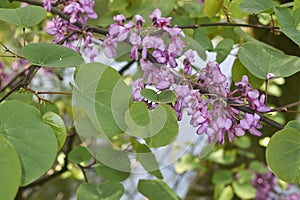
(20, 74)
(125, 67)
(257, 26)
(38, 92)
(83, 172)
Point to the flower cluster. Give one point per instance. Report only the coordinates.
(211, 113)
(66, 32)
(267, 187)
(157, 49)
(146, 40)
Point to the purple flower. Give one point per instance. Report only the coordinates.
(73, 9)
(47, 4)
(270, 76)
(257, 103)
(134, 53)
(139, 21)
(109, 47)
(163, 79)
(135, 39)
(160, 56)
(120, 19)
(243, 87)
(137, 86)
(56, 27)
(91, 53)
(251, 122)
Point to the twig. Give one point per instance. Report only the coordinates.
(83, 172)
(257, 26)
(125, 67)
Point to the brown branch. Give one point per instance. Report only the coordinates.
(257, 26)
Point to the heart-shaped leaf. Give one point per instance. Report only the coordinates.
(10, 170)
(34, 141)
(283, 154)
(289, 23)
(51, 55)
(261, 59)
(27, 16)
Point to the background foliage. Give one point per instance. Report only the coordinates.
(45, 157)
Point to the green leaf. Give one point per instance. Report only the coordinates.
(120, 159)
(105, 191)
(242, 142)
(222, 157)
(194, 9)
(293, 124)
(58, 126)
(245, 176)
(139, 113)
(163, 116)
(79, 154)
(283, 154)
(186, 163)
(227, 193)
(34, 141)
(102, 98)
(156, 189)
(262, 59)
(258, 167)
(211, 8)
(149, 94)
(244, 190)
(288, 24)
(167, 96)
(200, 36)
(112, 99)
(256, 6)
(194, 45)
(10, 170)
(27, 16)
(147, 159)
(51, 55)
(223, 49)
(238, 70)
(222, 177)
(111, 174)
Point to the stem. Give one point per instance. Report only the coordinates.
(37, 92)
(83, 172)
(257, 26)
(125, 67)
